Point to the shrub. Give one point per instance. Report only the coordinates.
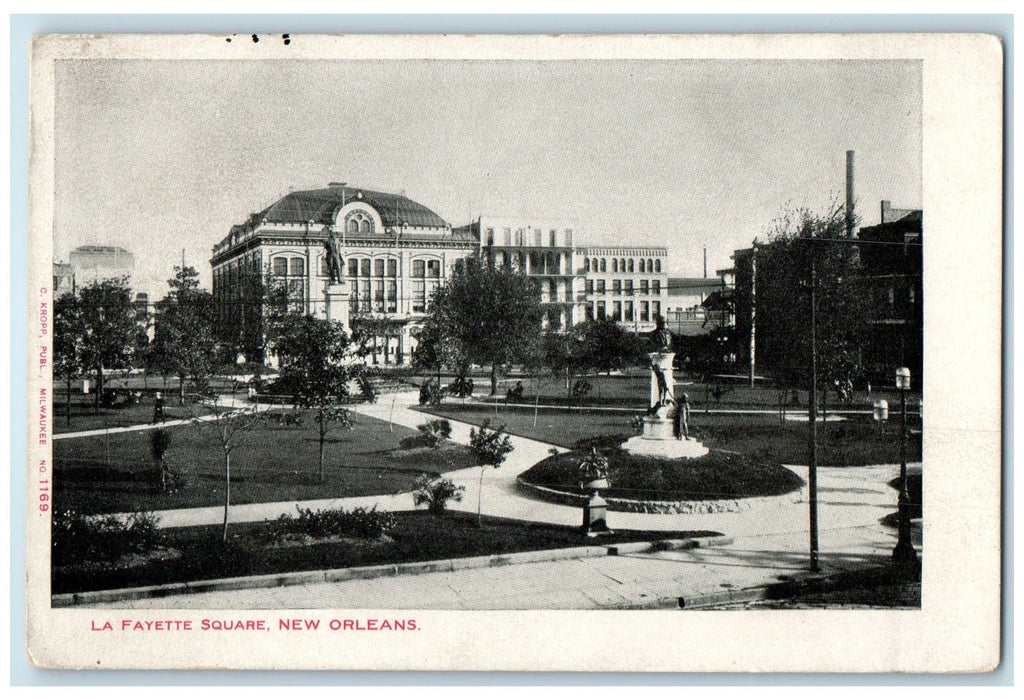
(436, 432)
(359, 522)
(435, 492)
(78, 538)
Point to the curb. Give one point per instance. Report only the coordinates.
(777, 591)
(298, 578)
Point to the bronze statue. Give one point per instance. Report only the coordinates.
(335, 259)
(661, 336)
(664, 391)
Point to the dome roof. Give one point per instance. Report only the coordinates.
(320, 206)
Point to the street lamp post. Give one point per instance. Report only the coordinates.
(812, 416)
(904, 555)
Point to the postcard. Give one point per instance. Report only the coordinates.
(533, 353)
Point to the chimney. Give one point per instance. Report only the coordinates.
(886, 206)
(849, 194)
(705, 262)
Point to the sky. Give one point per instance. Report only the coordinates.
(157, 156)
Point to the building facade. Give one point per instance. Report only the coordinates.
(685, 313)
(95, 263)
(396, 251)
(628, 285)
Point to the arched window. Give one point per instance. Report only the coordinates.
(657, 265)
(358, 222)
(593, 264)
(622, 264)
(586, 265)
(364, 226)
(352, 226)
(298, 267)
(280, 267)
(604, 266)
(630, 264)
(615, 265)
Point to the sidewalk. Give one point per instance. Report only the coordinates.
(770, 545)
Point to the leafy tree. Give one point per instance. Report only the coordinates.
(569, 354)
(108, 327)
(806, 249)
(231, 428)
(67, 341)
(491, 314)
(490, 447)
(315, 365)
(436, 350)
(610, 346)
(183, 340)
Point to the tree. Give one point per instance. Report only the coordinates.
(490, 447)
(183, 340)
(492, 314)
(230, 428)
(67, 341)
(569, 354)
(799, 243)
(109, 327)
(610, 346)
(315, 365)
(436, 350)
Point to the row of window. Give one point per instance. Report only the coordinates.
(357, 267)
(622, 265)
(624, 311)
(624, 287)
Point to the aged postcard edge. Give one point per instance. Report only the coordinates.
(962, 160)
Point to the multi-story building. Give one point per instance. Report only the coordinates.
(63, 279)
(891, 258)
(543, 251)
(627, 285)
(95, 263)
(685, 313)
(396, 251)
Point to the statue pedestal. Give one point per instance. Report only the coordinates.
(659, 432)
(337, 304)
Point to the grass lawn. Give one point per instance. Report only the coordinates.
(85, 415)
(852, 442)
(114, 473)
(418, 536)
(715, 476)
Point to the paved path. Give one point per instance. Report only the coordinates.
(770, 544)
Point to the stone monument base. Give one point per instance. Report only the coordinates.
(671, 448)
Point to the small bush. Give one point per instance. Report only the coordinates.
(436, 432)
(331, 522)
(435, 492)
(78, 538)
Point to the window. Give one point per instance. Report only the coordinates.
(490, 236)
(629, 311)
(364, 267)
(604, 266)
(378, 267)
(519, 237)
(645, 311)
(590, 286)
(553, 287)
(353, 267)
(426, 276)
(553, 236)
(656, 308)
(589, 312)
(600, 287)
(629, 286)
(622, 264)
(586, 265)
(629, 264)
(645, 286)
(392, 268)
(657, 266)
(537, 237)
(280, 267)
(616, 286)
(358, 222)
(616, 310)
(507, 236)
(615, 265)
(593, 264)
(655, 286)
(568, 237)
(600, 310)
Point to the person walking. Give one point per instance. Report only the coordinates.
(158, 408)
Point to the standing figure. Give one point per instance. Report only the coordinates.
(682, 418)
(335, 259)
(664, 392)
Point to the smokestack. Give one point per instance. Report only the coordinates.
(705, 262)
(849, 194)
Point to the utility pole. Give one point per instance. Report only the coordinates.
(753, 311)
(812, 415)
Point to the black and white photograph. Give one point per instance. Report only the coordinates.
(579, 345)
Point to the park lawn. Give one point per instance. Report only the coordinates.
(418, 536)
(114, 473)
(855, 441)
(85, 415)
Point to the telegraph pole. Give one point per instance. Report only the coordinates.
(812, 415)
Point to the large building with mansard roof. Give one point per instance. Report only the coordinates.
(397, 252)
